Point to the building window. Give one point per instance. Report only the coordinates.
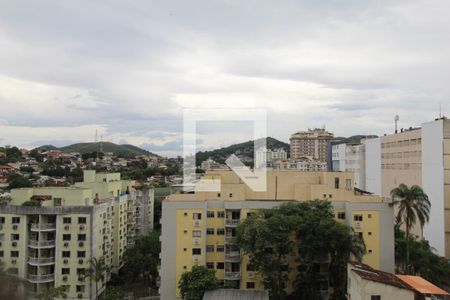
(15, 220)
(80, 288)
(358, 218)
(220, 266)
(82, 220)
(66, 237)
(231, 195)
(14, 253)
(14, 237)
(220, 231)
(250, 267)
(67, 220)
(66, 254)
(250, 285)
(65, 271)
(81, 254)
(370, 251)
(336, 182)
(220, 248)
(1, 254)
(196, 251)
(210, 265)
(221, 214)
(196, 233)
(210, 214)
(370, 233)
(375, 297)
(197, 216)
(209, 248)
(369, 216)
(81, 237)
(341, 215)
(209, 231)
(2, 220)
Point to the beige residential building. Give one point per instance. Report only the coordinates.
(311, 143)
(51, 245)
(199, 228)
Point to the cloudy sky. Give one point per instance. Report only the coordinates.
(128, 68)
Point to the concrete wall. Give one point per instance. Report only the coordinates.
(433, 182)
(373, 165)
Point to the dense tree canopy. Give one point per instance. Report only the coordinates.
(300, 237)
(193, 284)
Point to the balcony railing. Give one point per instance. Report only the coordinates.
(232, 222)
(39, 244)
(232, 256)
(41, 278)
(41, 260)
(48, 226)
(229, 239)
(232, 275)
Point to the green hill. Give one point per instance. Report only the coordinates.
(126, 149)
(242, 150)
(354, 139)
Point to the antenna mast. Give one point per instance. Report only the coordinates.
(396, 119)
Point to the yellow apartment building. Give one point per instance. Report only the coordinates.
(51, 245)
(199, 228)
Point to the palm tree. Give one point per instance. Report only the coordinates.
(97, 271)
(413, 204)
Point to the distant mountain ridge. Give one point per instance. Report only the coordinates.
(124, 149)
(243, 150)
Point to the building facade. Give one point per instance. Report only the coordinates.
(267, 157)
(51, 245)
(311, 143)
(350, 158)
(199, 228)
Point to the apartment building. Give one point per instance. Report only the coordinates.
(312, 143)
(267, 157)
(199, 228)
(349, 158)
(51, 245)
(416, 156)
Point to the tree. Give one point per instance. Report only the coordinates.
(16, 181)
(114, 293)
(96, 271)
(413, 205)
(32, 203)
(52, 293)
(4, 199)
(193, 284)
(8, 284)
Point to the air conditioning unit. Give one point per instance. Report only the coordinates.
(13, 261)
(196, 241)
(64, 278)
(14, 244)
(80, 296)
(196, 223)
(81, 227)
(15, 227)
(80, 261)
(67, 227)
(65, 261)
(80, 244)
(358, 225)
(66, 245)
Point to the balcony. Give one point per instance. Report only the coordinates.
(232, 256)
(229, 239)
(41, 261)
(43, 227)
(232, 222)
(232, 275)
(40, 278)
(41, 244)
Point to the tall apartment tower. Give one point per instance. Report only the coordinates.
(416, 156)
(312, 143)
(200, 228)
(51, 245)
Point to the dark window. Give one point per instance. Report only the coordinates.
(2, 220)
(80, 288)
(197, 216)
(336, 182)
(210, 214)
(65, 271)
(82, 220)
(67, 220)
(210, 265)
(14, 253)
(358, 218)
(15, 237)
(1, 253)
(375, 297)
(250, 285)
(196, 251)
(341, 215)
(220, 248)
(66, 254)
(209, 231)
(220, 231)
(221, 214)
(15, 220)
(231, 195)
(81, 254)
(66, 237)
(81, 237)
(220, 266)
